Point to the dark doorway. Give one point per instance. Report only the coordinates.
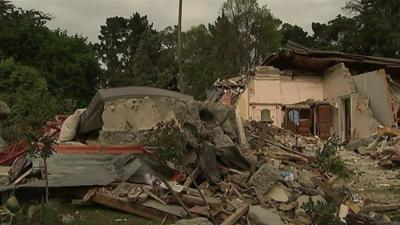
(347, 119)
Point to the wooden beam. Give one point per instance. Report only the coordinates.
(236, 215)
(134, 208)
(22, 177)
(189, 180)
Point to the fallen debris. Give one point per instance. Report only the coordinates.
(169, 158)
(261, 216)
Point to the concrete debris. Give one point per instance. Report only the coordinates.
(12, 204)
(230, 171)
(67, 218)
(261, 216)
(195, 221)
(383, 146)
(264, 179)
(278, 193)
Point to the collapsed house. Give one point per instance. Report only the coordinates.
(332, 93)
(105, 155)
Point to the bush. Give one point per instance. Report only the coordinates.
(328, 159)
(322, 213)
(170, 143)
(30, 112)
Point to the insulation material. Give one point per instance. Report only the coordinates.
(70, 126)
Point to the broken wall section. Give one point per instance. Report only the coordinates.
(127, 121)
(271, 88)
(374, 86)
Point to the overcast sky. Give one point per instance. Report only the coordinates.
(86, 16)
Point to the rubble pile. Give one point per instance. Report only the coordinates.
(270, 180)
(383, 146)
(227, 91)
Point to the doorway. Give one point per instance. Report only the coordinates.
(347, 119)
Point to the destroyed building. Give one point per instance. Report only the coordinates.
(340, 94)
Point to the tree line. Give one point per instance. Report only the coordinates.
(44, 72)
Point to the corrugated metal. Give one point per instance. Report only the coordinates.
(75, 170)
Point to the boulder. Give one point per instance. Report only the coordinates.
(261, 216)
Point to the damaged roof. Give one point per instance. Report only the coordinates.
(295, 56)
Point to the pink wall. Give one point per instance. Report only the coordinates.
(270, 90)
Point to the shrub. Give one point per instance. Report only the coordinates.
(322, 213)
(328, 159)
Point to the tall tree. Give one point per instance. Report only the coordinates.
(378, 28)
(67, 63)
(199, 66)
(132, 53)
(296, 34)
(256, 31)
(339, 34)
(370, 28)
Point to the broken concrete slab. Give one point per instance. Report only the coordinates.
(260, 216)
(279, 193)
(264, 179)
(374, 86)
(128, 120)
(130, 115)
(305, 179)
(91, 120)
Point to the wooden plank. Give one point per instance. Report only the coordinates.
(148, 192)
(194, 200)
(236, 215)
(240, 129)
(134, 208)
(195, 174)
(22, 177)
(89, 195)
(381, 208)
(174, 210)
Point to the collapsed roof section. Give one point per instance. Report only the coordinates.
(91, 119)
(297, 57)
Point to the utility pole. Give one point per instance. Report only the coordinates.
(179, 42)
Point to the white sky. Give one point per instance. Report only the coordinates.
(86, 16)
